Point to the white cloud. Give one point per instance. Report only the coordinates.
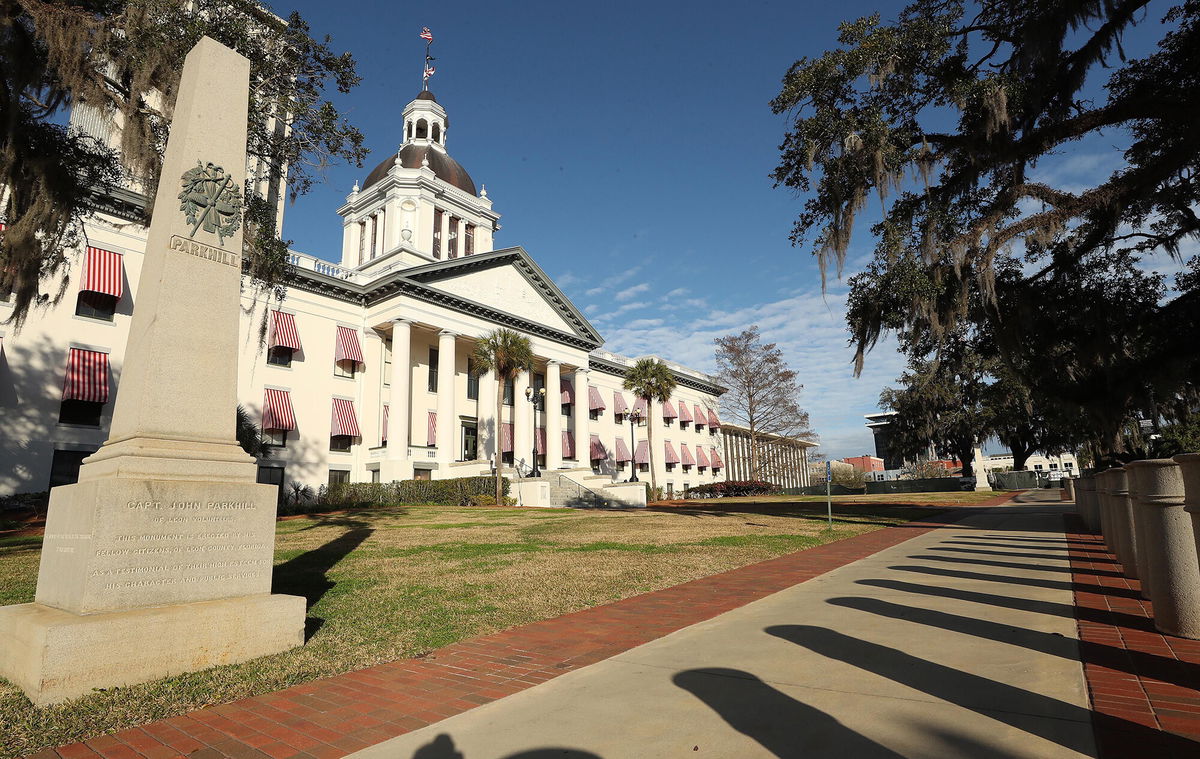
(678, 292)
(631, 292)
(622, 310)
(593, 291)
(644, 323)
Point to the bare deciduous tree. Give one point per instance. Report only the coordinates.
(763, 397)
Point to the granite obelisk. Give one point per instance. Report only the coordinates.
(158, 561)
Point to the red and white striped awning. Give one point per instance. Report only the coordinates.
(347, 348)
(568, 444)
(506, 437)
(701, 457)
(621, 455)
(102, 273)
(619, 406)
(685, 455)
(716, 460)
(383, 432)
(539, 441)
(87, 376)
(669, 454)
(701, 417)
(431, 429)
(344, 420)
(639, 408)
(283, 331)
(277, 410)
(597, 449)
(712, 419)
(568, 390)
(684, 414)
(595, 400)
(669, 410)
(642, 454)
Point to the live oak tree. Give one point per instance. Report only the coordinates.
(763, 396)
(652, 381)
(506, 354)
(123, 58)
(944, 114)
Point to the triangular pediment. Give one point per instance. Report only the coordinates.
(506, 281)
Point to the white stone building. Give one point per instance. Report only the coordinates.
(366, 373)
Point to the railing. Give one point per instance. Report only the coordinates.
(321, 266)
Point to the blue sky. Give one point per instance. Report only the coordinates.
(628, 147)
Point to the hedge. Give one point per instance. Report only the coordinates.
(730, 489)
(459, 491)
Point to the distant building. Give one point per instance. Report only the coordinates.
(785, 458)
(865, 463)
(880, 425)
(1067, 464)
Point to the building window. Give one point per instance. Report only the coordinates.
(338, 476)
(340, 443)
(667, 421)
(1037, 467)
(387, 363)
(594, 414)
(670, 467)
(452, 238)
(362, 240)
(433, 370)
(86, 413)
(374, 234)
(1054, 466)
(539, 384)
(670, 490)
(510, 391)
(469, 241)
(375, 476)
(64, 467)
(345, 368)
(437, 233)
(280, 355)
(472, 380)
(566, 409)
(1068, 465)
(275, 438)
(96, 306)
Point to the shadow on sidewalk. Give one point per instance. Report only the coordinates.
(1031, 581)
(1014, 554)
(1009, 564)
(442, 747)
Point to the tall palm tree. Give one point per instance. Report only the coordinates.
(651, 380)
(507, 354)
(248, 436)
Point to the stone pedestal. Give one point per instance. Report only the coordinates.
(1085, 491)
(1118, 492)
(1141, 551)
(1106, 515)
(1068, 491)
(158, 561)
(1171, 547)
(1189, 468)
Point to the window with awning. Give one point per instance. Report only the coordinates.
(506, 437)
(568, 391)
(431, 429)
(596, 449)
(347, 347)
(668, 409)
(701, 418)
(595, 400)
(701, 458)
(716, 460)
(103, 273)
(283, 331)
(619, 407)
(685, 416)
(685, 455)
(345, 422)
(640, 409)
(539, 441)
(568, 444)
(621, 453)
(669, 454)
(278, 415)
(87, 376)
(713, 422)
(642, 454)
(383, 432)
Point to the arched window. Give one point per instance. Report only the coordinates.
(422, 129)
(408, 129)
(437, 132)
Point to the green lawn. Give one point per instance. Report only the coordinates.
(391, 583)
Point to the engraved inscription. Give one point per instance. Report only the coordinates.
(200, 250)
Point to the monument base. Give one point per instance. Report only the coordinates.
(54, 655)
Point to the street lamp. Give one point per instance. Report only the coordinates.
(533, 403)
(635, 416)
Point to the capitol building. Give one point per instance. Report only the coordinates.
(366, 372)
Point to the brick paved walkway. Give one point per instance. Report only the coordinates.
(335, 716)
(1134, 674)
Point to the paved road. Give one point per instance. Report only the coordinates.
(958, 643)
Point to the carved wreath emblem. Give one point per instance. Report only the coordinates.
(212, 199)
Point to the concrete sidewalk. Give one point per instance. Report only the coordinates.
(957, 643)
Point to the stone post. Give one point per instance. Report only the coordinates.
(1123, 521)
(1106, 516)
(1088, 509)
(1171, 543)
(397, 465)
(1189, 468)
(553, 412)
(158, 560)
(1141, 551)
(1068, 485)
(582, 420)
(447, 422)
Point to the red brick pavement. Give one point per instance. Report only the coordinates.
(1137, 678)
(335, 716)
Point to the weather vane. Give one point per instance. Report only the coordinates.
(429, 68)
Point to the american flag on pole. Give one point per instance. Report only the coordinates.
(429, 71)
(426, 34)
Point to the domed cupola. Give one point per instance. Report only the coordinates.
(424, 144)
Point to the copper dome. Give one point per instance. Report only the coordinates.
(446, 168)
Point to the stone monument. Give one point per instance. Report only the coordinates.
(158, 561)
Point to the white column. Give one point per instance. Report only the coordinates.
(489, 418)
(522, 423)
(583, 445)
(554, 426)
(396, 464)
(447, 434)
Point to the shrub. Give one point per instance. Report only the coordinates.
(34, 502)
(458, 491)
(732, 489)
(482, 500)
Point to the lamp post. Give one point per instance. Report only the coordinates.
(634, 417)
(533, 403)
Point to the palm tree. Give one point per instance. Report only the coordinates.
(506, 353)
(248, 436)
(651, 380)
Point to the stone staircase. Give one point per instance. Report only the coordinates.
(565, 491)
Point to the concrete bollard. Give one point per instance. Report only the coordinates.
(1189, 467)
(1107, 528)
(1141, 551)
(1118, 490)
(1086, 488)
(1068, 490)
(1171, 547)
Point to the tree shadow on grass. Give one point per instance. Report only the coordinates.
(308, 574)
